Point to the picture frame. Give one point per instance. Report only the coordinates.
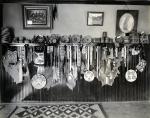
(37, 16)
(95, 18)
(127, 21)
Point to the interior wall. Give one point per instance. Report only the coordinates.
(1, 23)
(72, 19)
(1, 15)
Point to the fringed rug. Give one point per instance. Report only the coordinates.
(59, 111)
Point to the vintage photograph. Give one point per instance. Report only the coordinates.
(36, 16)
(95, 18)
(127, 21)
(75, 59)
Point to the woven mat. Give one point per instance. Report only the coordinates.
(59, 111)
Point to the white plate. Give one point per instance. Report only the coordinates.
(131, 75)
(38, 81)
(89, 76)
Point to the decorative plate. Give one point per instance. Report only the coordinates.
(89, 76)
(131, 75)
(38, 81)
(87, 39)
(75, 38)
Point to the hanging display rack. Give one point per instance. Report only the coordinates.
(107, 51)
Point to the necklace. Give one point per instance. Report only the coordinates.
(88, 75)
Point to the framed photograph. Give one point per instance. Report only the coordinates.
(37, 16)
(127, 21)
(95, 18)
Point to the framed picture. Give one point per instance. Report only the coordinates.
(95, 18)
(37, 16)
(127, 21)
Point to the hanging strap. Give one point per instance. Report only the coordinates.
(70, 58)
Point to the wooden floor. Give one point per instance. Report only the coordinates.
(110, 109)
(127, 110)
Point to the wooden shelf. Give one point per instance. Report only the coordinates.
(59, 44)
(66, 44)
(20, 44)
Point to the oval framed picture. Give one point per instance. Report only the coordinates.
(127, 21)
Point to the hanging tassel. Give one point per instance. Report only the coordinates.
(55, 15)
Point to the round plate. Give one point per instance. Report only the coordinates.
(89, 76)
(38, 81)
(87, 39)
(126, 23)
(131, 75)
(65, 39)
(75, 38)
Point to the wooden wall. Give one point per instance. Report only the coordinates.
(1, 23)
(1, 15)
(121, 90)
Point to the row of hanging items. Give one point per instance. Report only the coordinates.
(68, 63)
(57, 65)
(106, 71)
(65, 64)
